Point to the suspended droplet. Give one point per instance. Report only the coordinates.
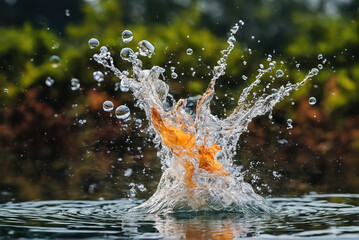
(103, 49)
(320, 66)
(107, 106)
(122, 112)
(55, 61)
(127, 36)
(146, 48)
(128, 172)
(314, 71)
(93, 42)
(312, 100)
(279, 73)
(49, 81)
(274, 90)
(6, 90)
(189, 51)
(124, 88)
(126, 54)
(231, 40)
(241, 22)
(138, 122)
(289, 122)
(174, 75)
(98, 76)
(320, 56)
(244, 77)
(75, 84)
(67, 12)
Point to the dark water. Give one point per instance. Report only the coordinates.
(314, 215)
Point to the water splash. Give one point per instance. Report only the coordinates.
(197, 148)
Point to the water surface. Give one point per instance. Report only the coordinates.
(314, 215)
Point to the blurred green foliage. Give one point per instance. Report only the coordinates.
(47, 153)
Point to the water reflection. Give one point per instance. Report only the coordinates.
(213, 226)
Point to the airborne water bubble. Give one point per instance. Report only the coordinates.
(189, 51)
(127, 36)
(75, 84)
(126, 54)
(93, 42)
(314, 71)
(107, 106)
(231, 40)
(103, 49)
(49, 81)
(174, 75)
(320, 56)
(312, 100)
(124, 88)
(98, 76)
(55, 61)
(279, 73)
(122, 112)
(146, 48)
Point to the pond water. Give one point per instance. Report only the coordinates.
(313, 215)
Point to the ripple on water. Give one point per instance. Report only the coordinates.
(314, 215)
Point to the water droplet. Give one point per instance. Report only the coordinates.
(297, 65)
(314, 71)
(93, 42)
(98, 76)
(103, 49)
(320, 56)
(289, 121)
(282, 141)
(279, 73)
(107, 106)
(124, 88)
(138, 122)
(231, 40)
(126, 54)
(244, 63)
(320, 66)
(174, 75)
(75, 84)
(241, 22)
(49, 81)
(128, 172)
(122, 112)
(274, 90)
(55, 61)
(67, 13)
(189, 51)
(312, 100)
(127, 36)
(6, 90)
(146, 48)
(244, 77)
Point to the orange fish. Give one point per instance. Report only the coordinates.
(183, 145)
